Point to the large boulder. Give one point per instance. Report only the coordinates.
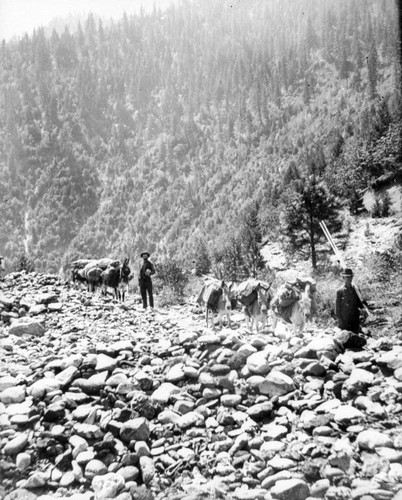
(321, 346)
(27, 327)
(136, 429)
(276, 383)
(371, 439)
(290, 489)
(391, 359)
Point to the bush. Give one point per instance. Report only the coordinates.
(24, 263)
(382, 268)
(380, 281)
(382, 206)
(172, 277)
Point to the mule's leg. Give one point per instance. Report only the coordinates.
(213, 320)
(297, 319)
(274, 322)
(247, 321)
(247, 318)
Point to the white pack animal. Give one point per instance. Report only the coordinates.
(294, 312)
(216, 297)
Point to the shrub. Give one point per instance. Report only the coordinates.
(24, 263)
(382, 206)
(171, 276)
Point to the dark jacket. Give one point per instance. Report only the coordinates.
(143, 277)
(347, 309)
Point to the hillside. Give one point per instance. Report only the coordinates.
(101, 400)
(157, 131)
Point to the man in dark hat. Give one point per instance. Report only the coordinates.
(348, 304)
(146, 271)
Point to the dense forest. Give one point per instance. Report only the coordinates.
(159, 131)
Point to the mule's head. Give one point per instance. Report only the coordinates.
(226, 296)
(125, 271)
(264, 298)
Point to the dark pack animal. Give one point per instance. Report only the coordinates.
(77, 277)
(117, 278)
(93, 277)
(89, 271)
(255, 296)
(216, 296)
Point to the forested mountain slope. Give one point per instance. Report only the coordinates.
(156, 131)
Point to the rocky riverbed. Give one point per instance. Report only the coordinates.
(101, 400)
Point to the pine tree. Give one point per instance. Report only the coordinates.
(228, 262)
(303, 206)
(372, 65)
(251, 239)
(202, 259)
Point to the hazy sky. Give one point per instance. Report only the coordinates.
(20, 16)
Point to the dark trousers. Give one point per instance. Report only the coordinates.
(146, 288)
(350, 323)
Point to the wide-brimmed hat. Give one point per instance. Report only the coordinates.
(347, 273)
(145, 253)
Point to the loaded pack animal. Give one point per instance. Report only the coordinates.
(92, 272)
(117, 278)
(77, 272)
(292, 304)
(215, 296)
(102, 273)
(255, 296)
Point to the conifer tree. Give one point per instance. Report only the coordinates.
(372, 65)
(202, 260)
(304, 205)
(251, 239)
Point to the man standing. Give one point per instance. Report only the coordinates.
(348, 304)
(146, 271)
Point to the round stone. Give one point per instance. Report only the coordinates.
(107, 485)
(23, 461)
(95, 468)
